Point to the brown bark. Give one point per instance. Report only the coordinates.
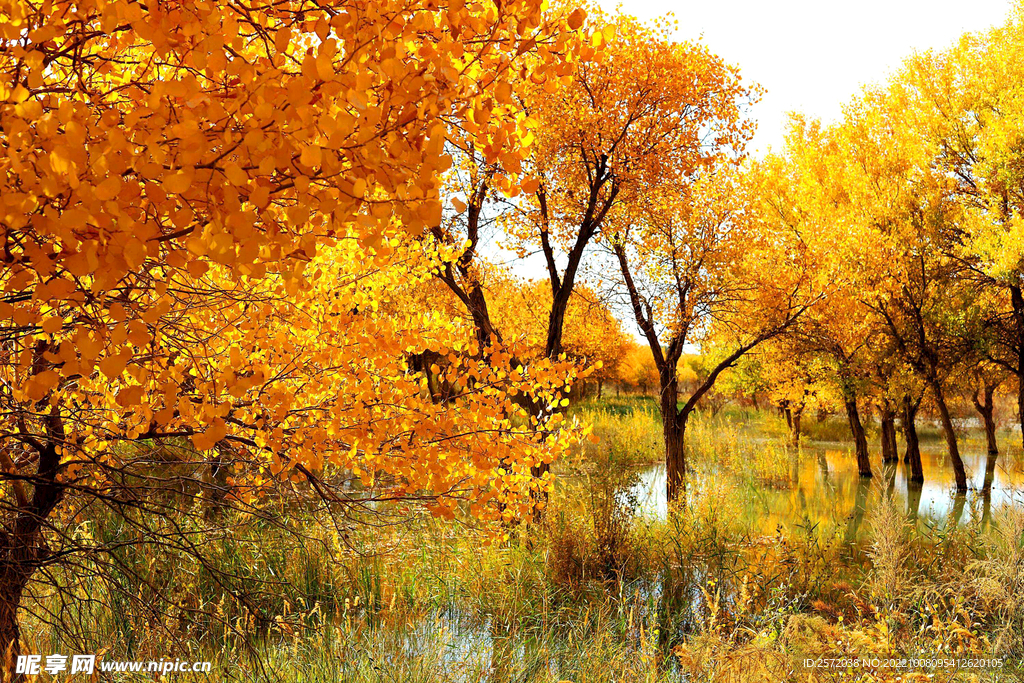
(985, 405)
(666, 359)
(674, 429)
(888, 420)
(794, 424)
(859, 438)
(11, 588)
(913, 454)
(1017, 301)
(22, 546)
(959, 473)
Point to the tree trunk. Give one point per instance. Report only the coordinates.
(986, 408)
(11, 586)
(913, 454)
(859, 439)
(674, 428)
(888, 420)
(1020, 404)
(947, 430)
(675, 461)
(600, 388)
(219, 487)
(794, 425)
(22, 546)
(1017, 300)
(990, 434)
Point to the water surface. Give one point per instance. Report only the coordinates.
(824, 485)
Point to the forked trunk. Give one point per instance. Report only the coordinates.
(22, 546)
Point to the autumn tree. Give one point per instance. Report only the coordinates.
(966, 102)
(646, 112)
(189, 192)
(797, 378)
(637, 369)
(704, 263)
(887, 211)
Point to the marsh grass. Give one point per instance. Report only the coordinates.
(596, 593)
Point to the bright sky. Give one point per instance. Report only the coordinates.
(814, 55)
(811, 56)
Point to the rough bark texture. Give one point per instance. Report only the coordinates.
(675, 455)
(859, 438)
(985, 405)
(888, 420)
(1017, 300)
(22, 546)
(959, 473)
(913, 455)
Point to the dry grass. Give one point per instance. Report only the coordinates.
(596, 594)
(890, 531)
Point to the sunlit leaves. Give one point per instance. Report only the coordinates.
(206, 208)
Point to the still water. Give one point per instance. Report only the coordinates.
(824, 487)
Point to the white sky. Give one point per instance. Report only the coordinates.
(811, 56)
(815, 55)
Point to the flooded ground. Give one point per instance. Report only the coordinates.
(825, 486)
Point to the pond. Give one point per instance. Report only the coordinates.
(824, 486)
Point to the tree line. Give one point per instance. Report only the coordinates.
(253, 242)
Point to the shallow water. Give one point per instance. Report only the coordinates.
(824, 486)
